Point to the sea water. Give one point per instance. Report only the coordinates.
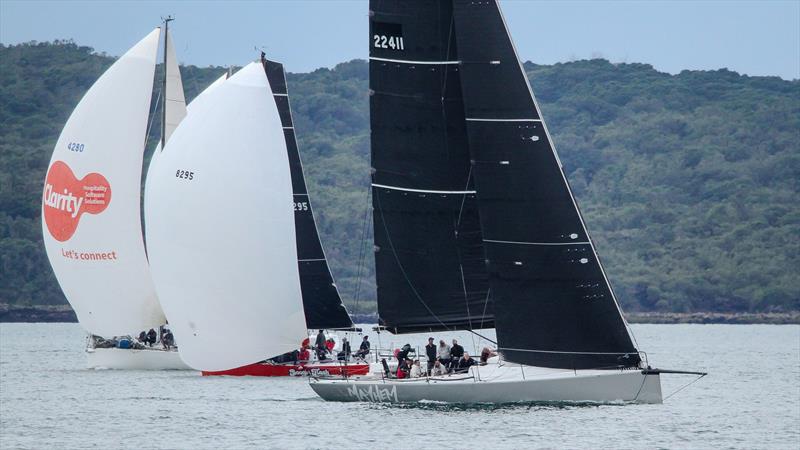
(750, 399)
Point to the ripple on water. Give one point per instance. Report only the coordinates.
(47, 399)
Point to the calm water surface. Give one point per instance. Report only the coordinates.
(751, 399)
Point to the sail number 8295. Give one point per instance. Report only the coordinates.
(184, 174)
(383, 41)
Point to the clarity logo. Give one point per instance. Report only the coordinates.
(66, 198)
(373, 393)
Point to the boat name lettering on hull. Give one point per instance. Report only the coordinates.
(373, 393)
(313, 372)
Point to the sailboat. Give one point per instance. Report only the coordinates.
(91, 210)
(232, 240)
(475, 223)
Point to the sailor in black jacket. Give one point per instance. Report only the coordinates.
(430, 352)
(464, 363)
(456, 352)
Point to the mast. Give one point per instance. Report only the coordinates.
(164, 85)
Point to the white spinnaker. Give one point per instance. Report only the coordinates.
(194, 104)
(175, 101)
(102, 267)
(221, 230)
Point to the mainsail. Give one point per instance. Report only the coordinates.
(91, 202)
(429, 259)
(321, 301)
(554, 304)
(221, 230)
(174, 100)
(461, 154)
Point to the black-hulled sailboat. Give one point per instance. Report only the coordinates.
(475, 223)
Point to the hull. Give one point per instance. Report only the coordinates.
(295, 370)
(130, 359)
(500, 385)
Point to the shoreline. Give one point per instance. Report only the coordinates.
(65, 314)
(787, 318)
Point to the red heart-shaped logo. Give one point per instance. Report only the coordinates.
(66, 198)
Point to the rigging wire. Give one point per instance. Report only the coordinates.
(400, 265)
(152, 119)
(362, 252)
(486, 305)
(684, 386)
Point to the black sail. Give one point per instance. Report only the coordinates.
(554, 306)
(321, 301)
(429, 257)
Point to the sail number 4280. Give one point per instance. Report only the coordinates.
(382, 41)
(75, 147)
(184, 174)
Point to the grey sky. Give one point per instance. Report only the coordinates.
(751, 37)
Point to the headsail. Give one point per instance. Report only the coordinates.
(91, 202)
(554, 304)
(321, 301)
(429, 259)
(174, 100)
(221, 230)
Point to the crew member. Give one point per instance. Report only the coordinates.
(363, 350)
(430, 352)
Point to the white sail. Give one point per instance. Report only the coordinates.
(175, 102)
(221, 230)
(91, 202)
(196, 103)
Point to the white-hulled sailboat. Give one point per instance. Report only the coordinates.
(475, 223)
(91, 209)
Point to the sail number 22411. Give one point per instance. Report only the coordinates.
(383, 41)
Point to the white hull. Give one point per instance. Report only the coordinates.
(500, 384)
(129, 359)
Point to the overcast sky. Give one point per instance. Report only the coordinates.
(751, 37)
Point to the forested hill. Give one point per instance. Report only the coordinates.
(688, 182)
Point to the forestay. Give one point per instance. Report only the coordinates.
(91, 201)
(321, 301)
(221, 230)
(554, 305)
(429, 259)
